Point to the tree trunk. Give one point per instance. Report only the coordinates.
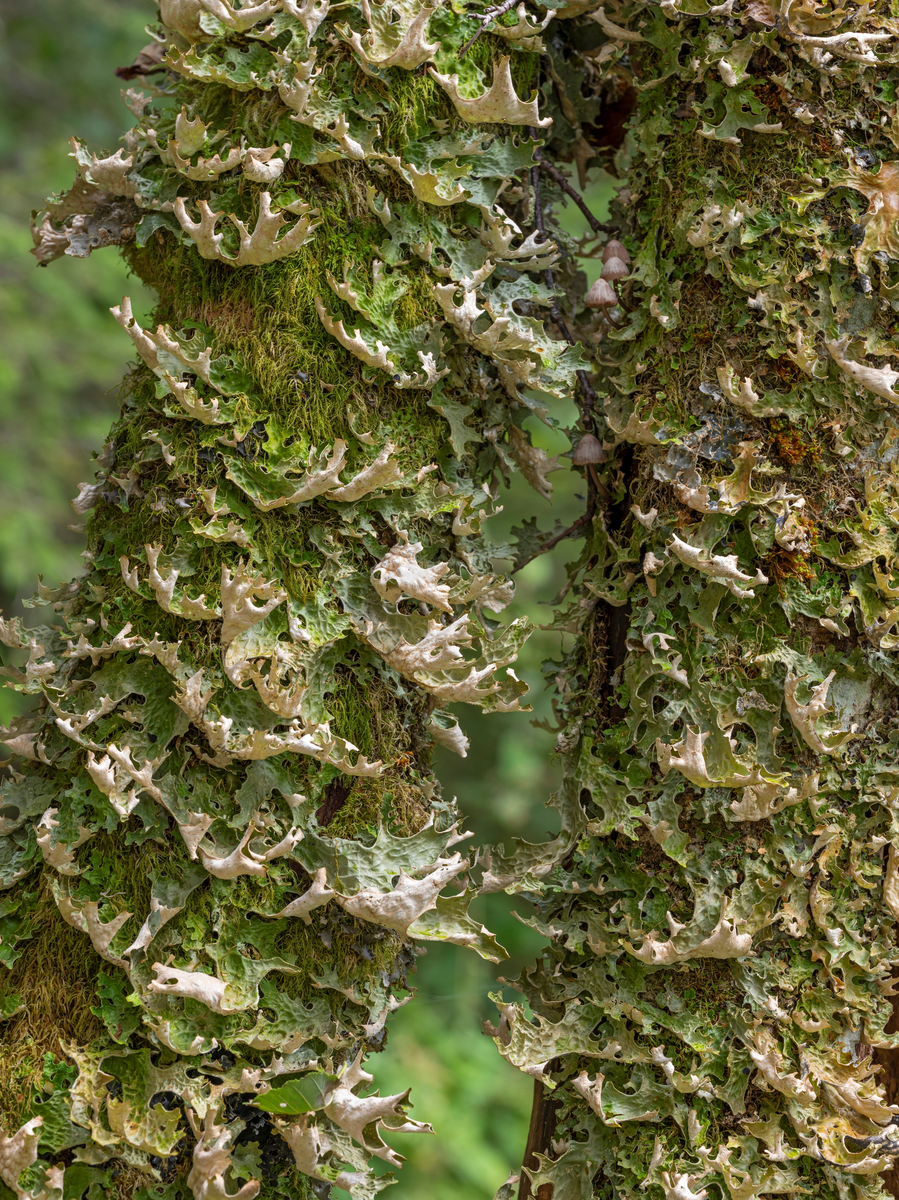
(721, 901)
(224, 839)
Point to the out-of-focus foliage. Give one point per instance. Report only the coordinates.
(479, 1113)
(61, 354)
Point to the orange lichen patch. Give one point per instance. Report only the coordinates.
(770, 94)
(881, 221)
(794, 447)
(791, 444)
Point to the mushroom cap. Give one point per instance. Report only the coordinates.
(614, 269)
(601, 295)
(588, 450)
(615, 249)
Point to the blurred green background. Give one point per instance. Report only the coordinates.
(61, 356)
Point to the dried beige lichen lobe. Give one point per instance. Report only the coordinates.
(287, 583)
(722, 899)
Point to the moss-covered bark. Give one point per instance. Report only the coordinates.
(723, 900)
(222, 839)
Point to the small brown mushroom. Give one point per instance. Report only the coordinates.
(615, 249)
(614, 269)
(601, 295)
(588, 450)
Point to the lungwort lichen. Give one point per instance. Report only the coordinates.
(224, 796)
(221, 830)
(712, 1018)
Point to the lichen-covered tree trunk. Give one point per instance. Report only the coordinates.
(713, 1017)
(223, 838)
(221, 835)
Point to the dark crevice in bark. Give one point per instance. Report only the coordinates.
(616, 112)
(618, 618)
(333, 799)
(540, 1136)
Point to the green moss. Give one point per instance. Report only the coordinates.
(55, 981)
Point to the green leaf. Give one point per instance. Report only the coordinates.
(297, 1096)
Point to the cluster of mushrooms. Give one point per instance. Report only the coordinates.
(603, 294)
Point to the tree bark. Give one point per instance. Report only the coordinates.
(540, 1138)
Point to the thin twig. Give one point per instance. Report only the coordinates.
(548, 277)
(585, 518)
(489, 16)
(595, 486)
(556, 175)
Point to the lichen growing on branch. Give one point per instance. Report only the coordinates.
(221, 827)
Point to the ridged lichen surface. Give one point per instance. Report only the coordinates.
(221, 838)
(711, 1017)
